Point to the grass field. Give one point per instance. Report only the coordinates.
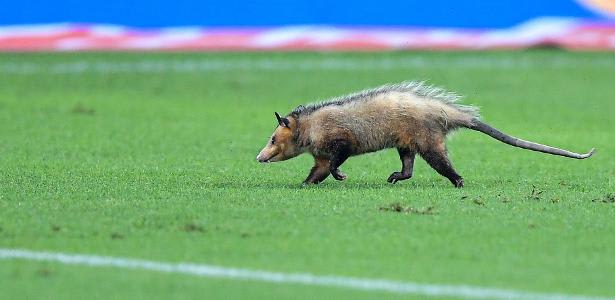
(152, 156)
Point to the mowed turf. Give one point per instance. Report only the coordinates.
(159, 164)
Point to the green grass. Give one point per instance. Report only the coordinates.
(160, 166)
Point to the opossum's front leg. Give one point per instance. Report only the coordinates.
(407, 165)
(340, 151)
(319, 171)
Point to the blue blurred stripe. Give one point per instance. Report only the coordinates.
(160, 13)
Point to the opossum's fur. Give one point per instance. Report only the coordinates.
(418, 88)
(411, 116)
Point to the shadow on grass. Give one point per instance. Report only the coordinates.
(490, 183)
(331, 185)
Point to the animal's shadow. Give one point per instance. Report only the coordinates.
(331, 185)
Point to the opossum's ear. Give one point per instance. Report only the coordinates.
(282, 121)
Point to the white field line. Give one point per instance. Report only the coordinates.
(459, 291)
(177, 65)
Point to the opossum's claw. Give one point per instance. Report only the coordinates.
(393, 178)
(338, 175)
(397, 176)
(458, 183)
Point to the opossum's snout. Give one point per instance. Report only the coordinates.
(265, 156)
(280, 146)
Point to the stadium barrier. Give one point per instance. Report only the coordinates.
(564, 33)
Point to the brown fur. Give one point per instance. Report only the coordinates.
(391, 120)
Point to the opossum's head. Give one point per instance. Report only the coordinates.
(281, 146)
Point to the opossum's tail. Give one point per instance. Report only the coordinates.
(513, 141)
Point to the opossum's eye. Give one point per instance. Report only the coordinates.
(273, 140)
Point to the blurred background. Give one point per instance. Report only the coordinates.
(145, 147)
(305, 25)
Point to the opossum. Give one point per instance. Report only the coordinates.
(411, 116)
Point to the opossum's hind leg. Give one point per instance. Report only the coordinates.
(407, 165)
(439, 161)
(320, 171)
(340, 151)
(338, 175)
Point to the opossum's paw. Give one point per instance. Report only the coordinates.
(397, 176)
(309, 182)
(338, 175)
(458, 183)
